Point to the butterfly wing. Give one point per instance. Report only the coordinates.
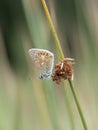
(43, 60)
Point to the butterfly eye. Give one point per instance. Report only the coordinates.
(41, 76)
(43, 60)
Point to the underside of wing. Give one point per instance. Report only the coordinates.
(43, 59)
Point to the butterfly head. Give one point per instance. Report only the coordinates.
(45, 74)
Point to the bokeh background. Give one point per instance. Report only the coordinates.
(28, 103)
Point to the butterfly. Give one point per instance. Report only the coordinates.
(43, 60)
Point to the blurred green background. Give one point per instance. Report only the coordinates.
(28, 103)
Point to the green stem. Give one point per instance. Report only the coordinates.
(78, 105)
(62, 57)
(53, 30)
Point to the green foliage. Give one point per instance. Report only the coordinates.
(28, 103)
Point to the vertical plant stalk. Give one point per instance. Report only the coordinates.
(53, 30)
(57, 42)
(78, 105)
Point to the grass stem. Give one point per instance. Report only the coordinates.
(57, 42)
(53, 29)
(78, 105)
